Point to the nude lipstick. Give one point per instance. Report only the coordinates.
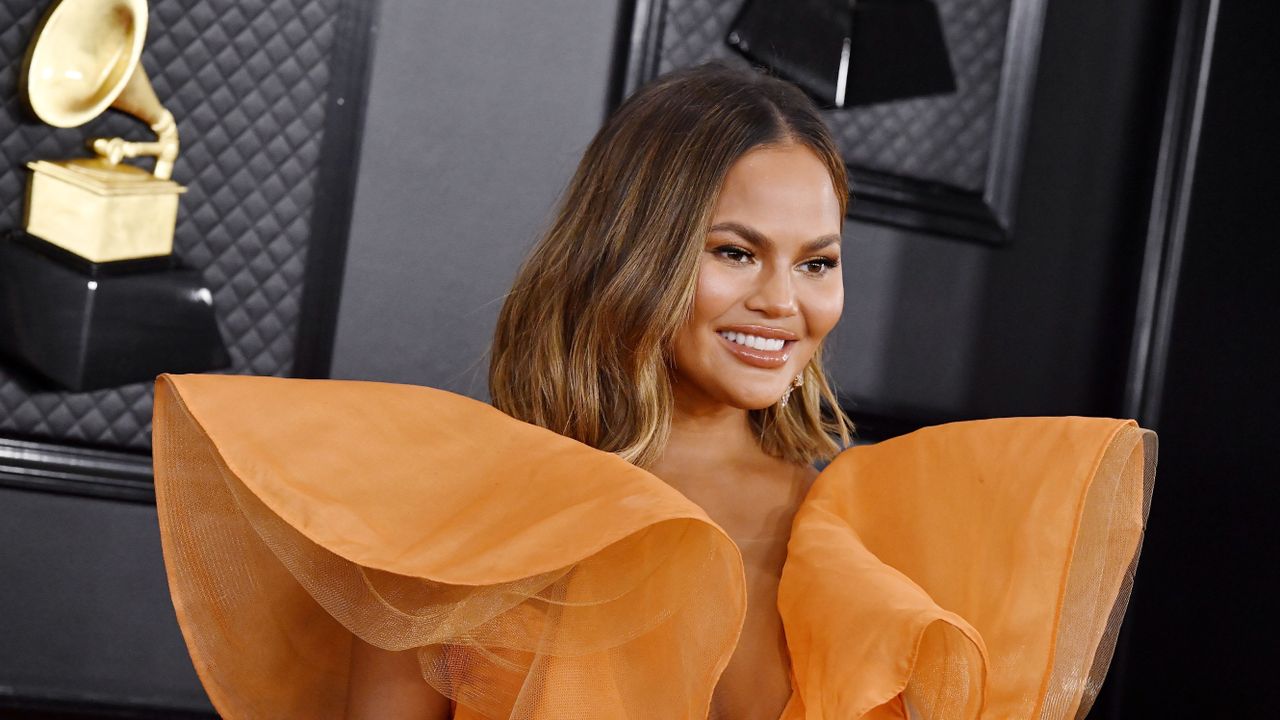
(757, 345)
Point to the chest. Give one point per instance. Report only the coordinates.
(755, 505)
(757, 682)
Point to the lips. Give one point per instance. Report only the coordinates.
(758, 346)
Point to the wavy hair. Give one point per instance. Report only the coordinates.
(584, 340)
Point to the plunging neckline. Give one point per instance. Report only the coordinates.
(771, 561)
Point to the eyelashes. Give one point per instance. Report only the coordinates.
(821, 265)
(737, 255)
(734, 254)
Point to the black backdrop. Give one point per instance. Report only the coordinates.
(251, 84)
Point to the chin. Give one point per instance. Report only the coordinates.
(753, 400)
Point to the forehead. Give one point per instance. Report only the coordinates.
(782, 191)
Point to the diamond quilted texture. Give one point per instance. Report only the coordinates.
(943, 139)
(247, 82)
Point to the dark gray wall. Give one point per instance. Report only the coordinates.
(905, 342)
(1056, 315)
(84, 604)
(477, 115)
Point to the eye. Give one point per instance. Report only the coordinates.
(733, 254)
(819, 265)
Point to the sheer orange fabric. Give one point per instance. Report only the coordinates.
(974, 569)
(977, 569)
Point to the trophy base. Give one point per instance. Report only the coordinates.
(100, 211)
(62, 255)
(87, 333)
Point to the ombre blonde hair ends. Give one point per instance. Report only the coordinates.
(584, 341)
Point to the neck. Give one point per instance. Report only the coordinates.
(707, 432)
(714, 458)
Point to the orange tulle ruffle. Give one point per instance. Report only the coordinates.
(975, 569)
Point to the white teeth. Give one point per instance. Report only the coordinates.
(753, 341)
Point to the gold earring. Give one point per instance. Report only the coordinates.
(786, 396)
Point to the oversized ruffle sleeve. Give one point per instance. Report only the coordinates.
(535, 576)
(976, 569)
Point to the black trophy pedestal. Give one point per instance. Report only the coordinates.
(87, 328)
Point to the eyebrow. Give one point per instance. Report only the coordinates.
(759, 239)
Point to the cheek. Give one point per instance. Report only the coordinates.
(719, 288)
(822, 308)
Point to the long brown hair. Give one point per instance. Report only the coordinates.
(584, 341)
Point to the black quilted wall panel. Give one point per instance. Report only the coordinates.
(247, 82)
(942, 139)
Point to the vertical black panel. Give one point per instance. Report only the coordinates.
(350, 65)
(1202, 635)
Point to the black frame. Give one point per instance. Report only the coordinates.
(67, 468)
(898, 200)
(335, 188)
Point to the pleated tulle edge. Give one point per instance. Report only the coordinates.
(1109, 521)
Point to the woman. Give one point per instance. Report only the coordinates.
(650, 541)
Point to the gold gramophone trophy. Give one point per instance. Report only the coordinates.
(91, 294)
(85, 57)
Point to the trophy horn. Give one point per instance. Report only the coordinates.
(85, 57)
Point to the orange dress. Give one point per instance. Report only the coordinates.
(975, 569)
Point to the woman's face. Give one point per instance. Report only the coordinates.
(769, 284)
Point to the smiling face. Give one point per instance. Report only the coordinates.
(769, 284)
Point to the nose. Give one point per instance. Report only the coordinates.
(774, 294)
